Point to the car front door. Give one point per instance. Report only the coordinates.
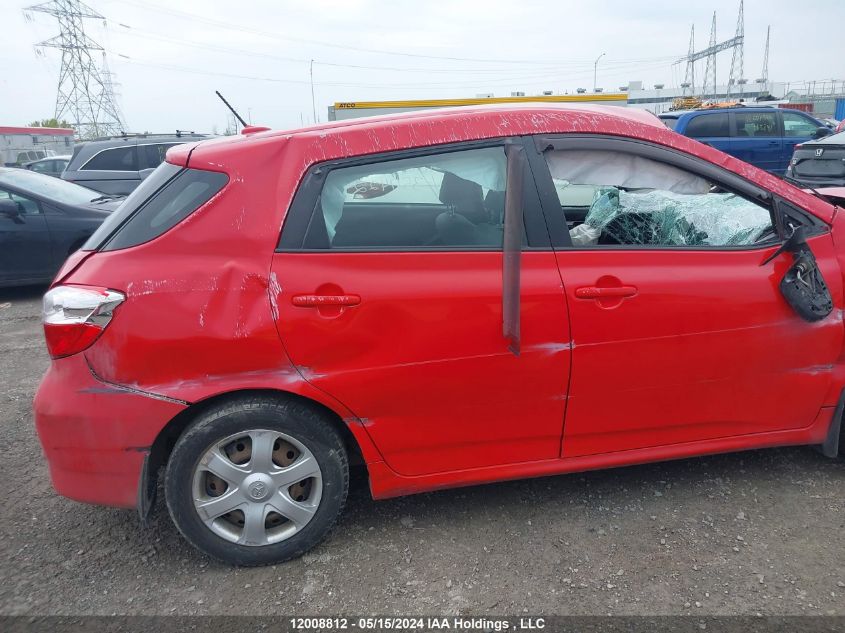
(25, 249)
(757, 139)
(679, 330)
(389, 289)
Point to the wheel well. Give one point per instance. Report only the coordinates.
(163, 445)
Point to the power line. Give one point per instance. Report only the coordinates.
(194, 17)
(149, 35)
(199, 71)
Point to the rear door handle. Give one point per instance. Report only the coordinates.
(595, 292)
(316, 301)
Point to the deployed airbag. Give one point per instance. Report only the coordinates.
(600, 167)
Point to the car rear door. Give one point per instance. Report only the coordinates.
(679, 331)
(710, 128)
(757, 139)
(389, 294)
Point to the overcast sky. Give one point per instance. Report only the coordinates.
(170, 57)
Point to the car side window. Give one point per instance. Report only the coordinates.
(26, 206)
(114, 159)
(750, 124)
(613, 199)
(796, 125)
(44, 166)
(448, 200)
(709, 124)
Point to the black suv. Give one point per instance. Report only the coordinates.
(116, 165)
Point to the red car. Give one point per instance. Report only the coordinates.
(449, 297)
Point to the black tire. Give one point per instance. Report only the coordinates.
(296, 419)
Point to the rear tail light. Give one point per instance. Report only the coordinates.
(75, 316)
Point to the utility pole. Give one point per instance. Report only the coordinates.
(596, 71)
(85, 94)
(313, 103)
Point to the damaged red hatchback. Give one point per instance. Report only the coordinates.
(449, 297)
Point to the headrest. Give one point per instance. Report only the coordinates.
(466, 196)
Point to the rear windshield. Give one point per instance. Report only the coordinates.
(161, 201)
(670, 121)
(48, 187)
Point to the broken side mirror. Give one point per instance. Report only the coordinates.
(803, 285)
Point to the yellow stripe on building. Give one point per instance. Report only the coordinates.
(442, 103)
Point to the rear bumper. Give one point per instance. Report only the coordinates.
(95, 436)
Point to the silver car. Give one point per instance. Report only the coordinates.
(50, 166)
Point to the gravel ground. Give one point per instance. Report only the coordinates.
(760, 532)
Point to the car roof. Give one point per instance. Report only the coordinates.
(730, 109)
(495, 114)
(142, 139)
(738, 109)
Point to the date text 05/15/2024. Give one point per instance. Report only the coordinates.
(417, 624)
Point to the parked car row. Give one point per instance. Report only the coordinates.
(49, 208)
(113, 165)
(118, 165)
(763, 136)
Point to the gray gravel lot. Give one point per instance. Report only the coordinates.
(760, 532)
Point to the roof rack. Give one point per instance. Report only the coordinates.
(128, 135)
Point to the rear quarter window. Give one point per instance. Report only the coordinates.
(163, 200)
(114, 159)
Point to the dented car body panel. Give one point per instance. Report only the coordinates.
(411, 358)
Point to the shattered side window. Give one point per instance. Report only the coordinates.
(617, 199)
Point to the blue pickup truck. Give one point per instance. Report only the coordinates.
(762, 136)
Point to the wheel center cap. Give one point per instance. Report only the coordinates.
(258, 487)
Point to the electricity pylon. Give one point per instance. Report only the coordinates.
(85, 95)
